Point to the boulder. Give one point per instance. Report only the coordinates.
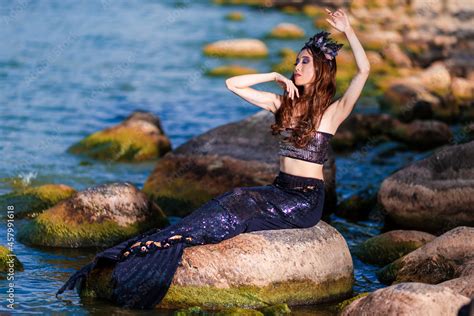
(434, 194)
(9, 263)
(422, 134)
(286, 31)
(99, 216)
(256, 269)
(388, 247)
(31, 201)
(437, 261)
(241, 48)
(408, 299)
(139, 137)
(219, 160)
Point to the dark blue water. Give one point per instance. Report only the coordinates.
(70, 68)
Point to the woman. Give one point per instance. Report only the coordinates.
(145, 265)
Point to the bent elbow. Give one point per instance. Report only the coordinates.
(228, 84)
(365, 70)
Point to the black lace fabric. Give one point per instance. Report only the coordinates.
(141, 279)
(316, 151)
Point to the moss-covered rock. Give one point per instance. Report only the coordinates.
(239, 48)
(235, 16)
(345, 303)
(224, 275)
(140, 137)
(388, 247)
(8, 262)
(231, 70)
(286, 31)
(437, 261)
(100, 216)
(31, 201)
(359, 205)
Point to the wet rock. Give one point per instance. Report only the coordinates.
(362, 129)
(9, 263)
(140, 137)
(422, 134)
(99, 216)
(258, 268)
(388, 247)
(407, 99)
(464, 282)
(242, 153)
(242, 48)
(286, 31)
(359, 205)
(408, 299)
(29, 202)
(235, 16)
(437, 261)
(434, 194)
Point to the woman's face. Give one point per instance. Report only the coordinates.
(304, 69)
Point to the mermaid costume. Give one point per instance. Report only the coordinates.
(143, 274)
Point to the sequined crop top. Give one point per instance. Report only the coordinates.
(316, 151)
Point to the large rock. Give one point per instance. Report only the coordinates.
(464, 284)
(287, 31)
(242, 153)
(139, 137)
(9, 263)
(388, 247)
(434, 194)
(31, 201)
(99, 216)
(422, 134)
(295, 266)
(437, 261)
(408, 299)
(242, 48)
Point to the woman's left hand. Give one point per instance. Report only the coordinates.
(338, 19)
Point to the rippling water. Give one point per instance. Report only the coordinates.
(68, 69)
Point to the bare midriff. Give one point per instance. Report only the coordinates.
(298, 167)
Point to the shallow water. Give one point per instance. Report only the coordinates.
(69, 69)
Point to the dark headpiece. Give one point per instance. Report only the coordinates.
(325, 44)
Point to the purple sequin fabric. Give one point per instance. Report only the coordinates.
(316, 151)
(141, 279)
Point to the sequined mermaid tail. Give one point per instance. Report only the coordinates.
(141, 279)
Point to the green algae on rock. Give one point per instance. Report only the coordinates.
(226, 274)
(235, 16)
(389, 246)
(31, 201)
(231, 70)
(8, 261)
(99, 216)
(139, 137)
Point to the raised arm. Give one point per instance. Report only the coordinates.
(240, 85)
(346, 103)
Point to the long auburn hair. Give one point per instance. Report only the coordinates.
(311, 104)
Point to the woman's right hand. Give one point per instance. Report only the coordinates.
(287, 85)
